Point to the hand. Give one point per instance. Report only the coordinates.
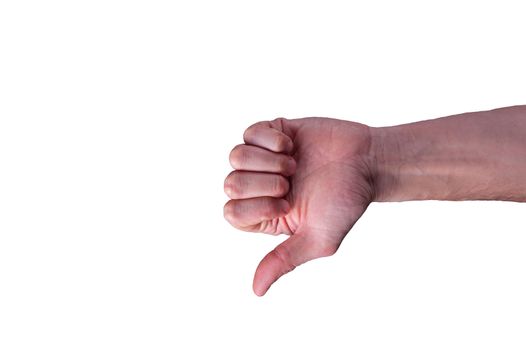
(308, 178)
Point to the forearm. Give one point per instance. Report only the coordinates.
(480, 155)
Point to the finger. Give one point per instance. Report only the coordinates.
(262, 134)
(246, 184)
(252, 158)
(293, 252)
(252, 211)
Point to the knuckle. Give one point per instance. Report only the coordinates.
(283, 256)
(281, 143)
(283, 165)
(237, 156)
(231, 186)
(247, 135)
(251, 130)
(327, 250)
(281, 185)
(229, 212)
(278, 122)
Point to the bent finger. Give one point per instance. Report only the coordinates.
(252, 158)
(262, 134)
(252, 211)
(246, 184)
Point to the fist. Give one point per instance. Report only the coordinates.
(308, 178)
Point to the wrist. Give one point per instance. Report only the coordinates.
(385, 161)
(423, 161)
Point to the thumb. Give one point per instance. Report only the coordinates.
(293, 252)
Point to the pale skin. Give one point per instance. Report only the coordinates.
(313, 178)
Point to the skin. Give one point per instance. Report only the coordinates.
(313, 178)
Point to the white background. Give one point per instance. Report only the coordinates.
(116, 120)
